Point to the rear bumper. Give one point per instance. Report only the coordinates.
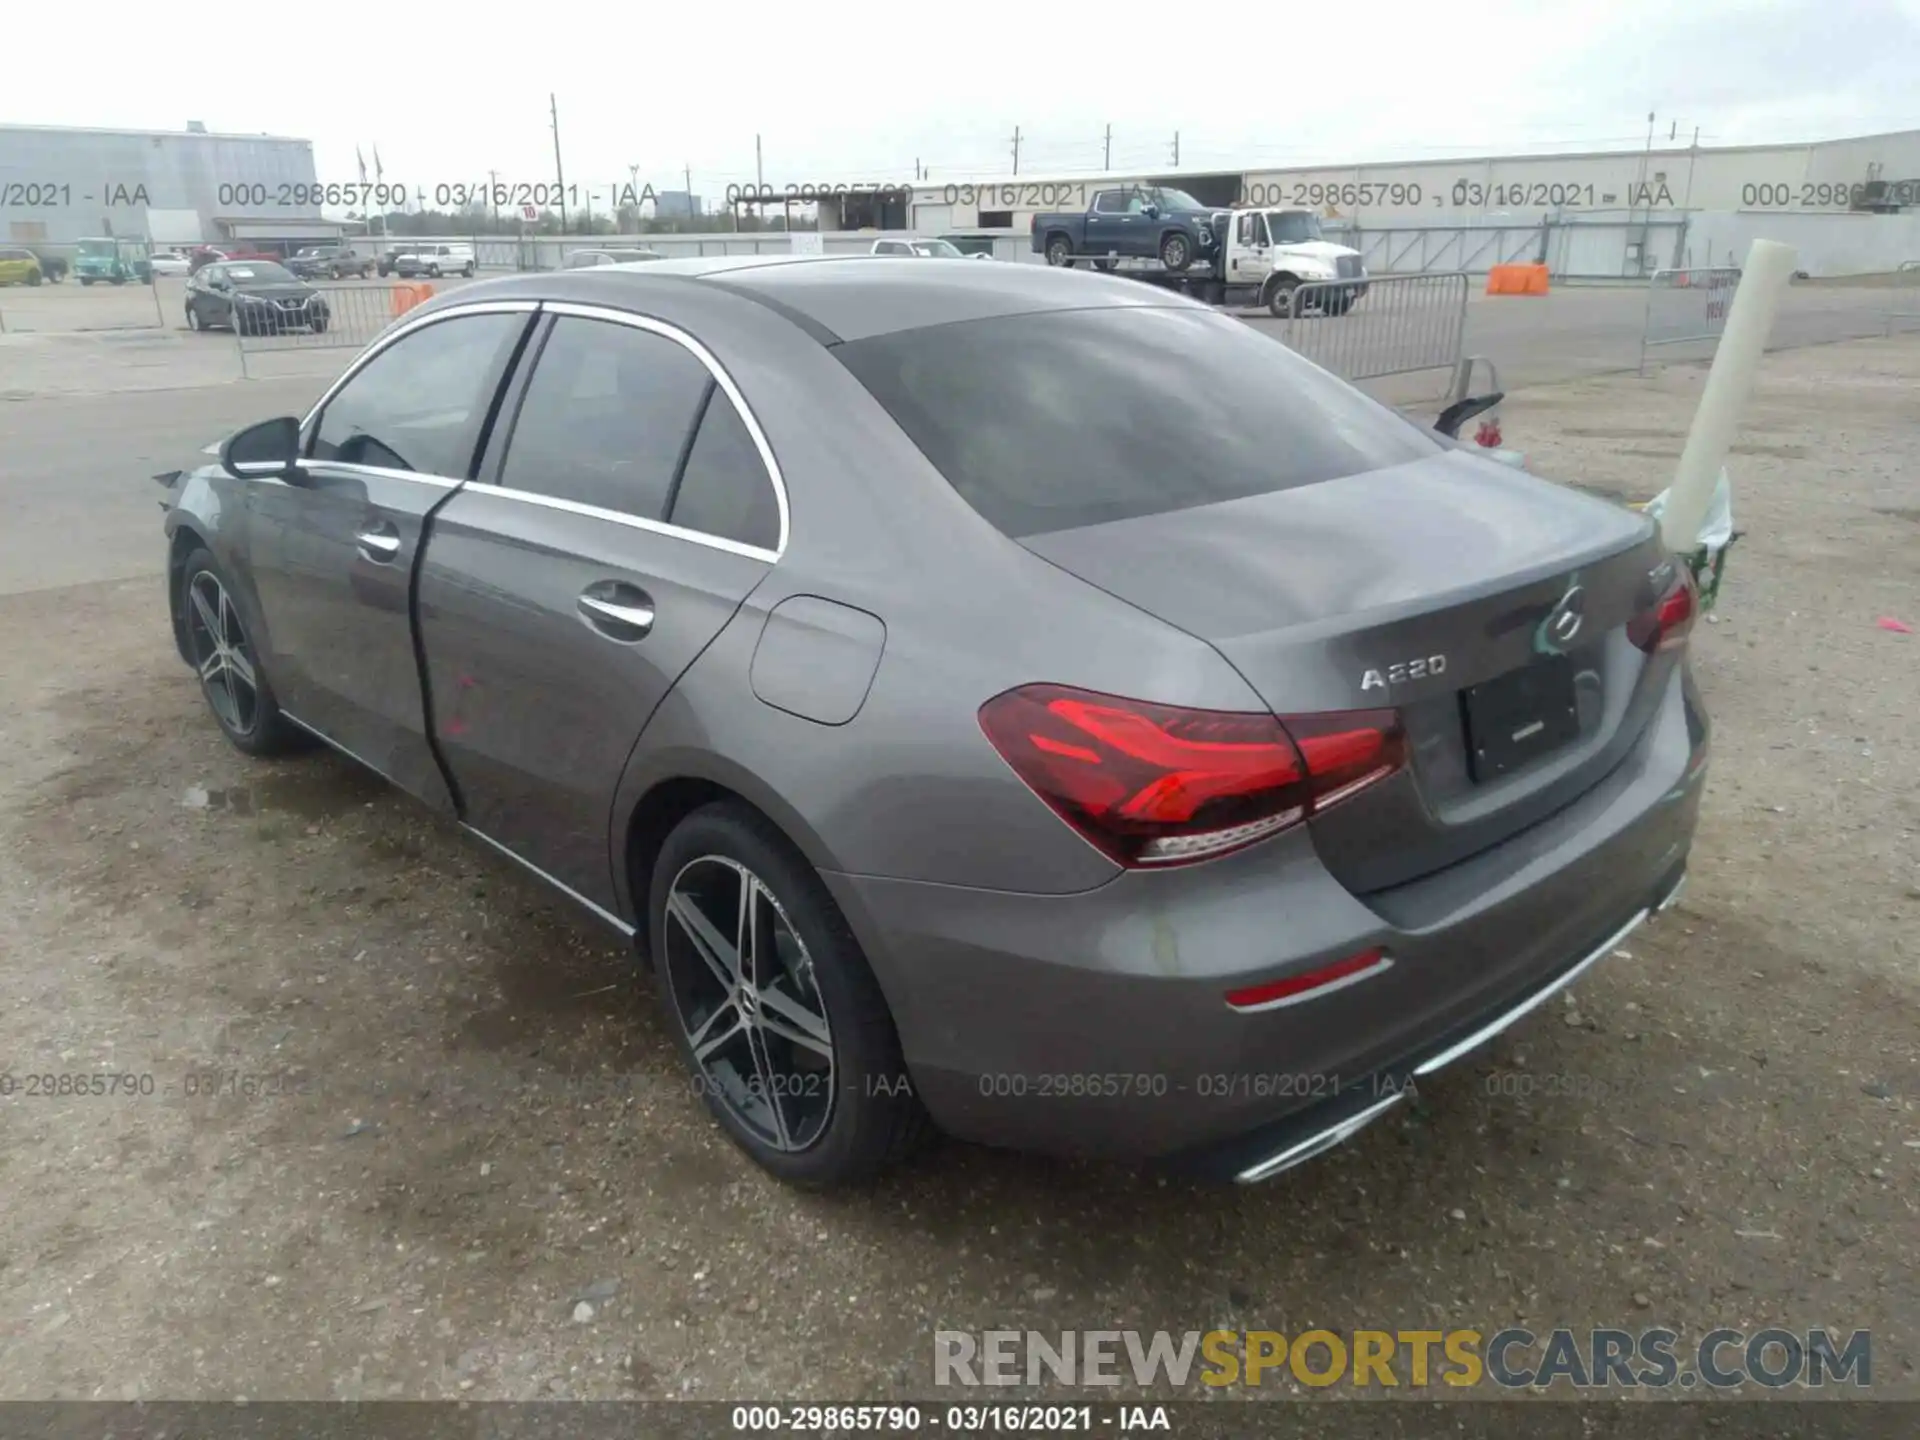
(1096, 1023)
(1274, 1149)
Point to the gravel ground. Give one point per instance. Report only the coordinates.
(449, 1150)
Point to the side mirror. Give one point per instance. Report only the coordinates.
(1461, 411)
(1153, 212)
(273, 443)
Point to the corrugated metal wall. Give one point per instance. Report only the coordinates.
(57, 186)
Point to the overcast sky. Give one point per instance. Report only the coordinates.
(854, 90)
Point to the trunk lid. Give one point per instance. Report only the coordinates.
(1412, 588)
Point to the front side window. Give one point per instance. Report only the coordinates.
(1056, 420)
(1111, 202)
(606, 417)
(418, 404)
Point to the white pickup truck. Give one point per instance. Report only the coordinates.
(1265, 258)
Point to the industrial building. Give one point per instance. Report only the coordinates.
(167, 187)
(1850, 204)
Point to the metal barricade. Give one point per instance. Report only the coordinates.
(343, 316)
(1904, 304)
(1687, 307)
(1386, 325)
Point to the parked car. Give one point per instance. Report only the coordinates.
(927, 249)
(1276, 751)
(592, 259)
(167, 262)
(1139, 221)
(254, 297)
(434, 261)
(334, 262)
(20, 266)
(389, 258)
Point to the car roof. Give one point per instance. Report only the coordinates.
(844, 297)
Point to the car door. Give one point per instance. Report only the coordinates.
(333, 555)
(214, 298)
(616, 526)
(1251, 258)
(1107, 222)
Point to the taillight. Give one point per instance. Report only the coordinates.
(1664, 624)
(1157, 785)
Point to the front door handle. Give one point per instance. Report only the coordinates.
(380, 543)
(619, 611)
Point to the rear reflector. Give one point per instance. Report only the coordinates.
(1157, 785)
(1310, 984)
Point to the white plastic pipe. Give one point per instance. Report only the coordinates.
(1762, 282)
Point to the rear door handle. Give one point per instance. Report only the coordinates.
(379, 543)
(617, 610)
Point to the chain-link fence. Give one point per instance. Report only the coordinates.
(1388, 325)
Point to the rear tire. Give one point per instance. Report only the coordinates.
(468, 272)
(1060, 251)
(193, 317)
(236, 690)
(1176, 252)
(86, 280)
(838, 1118)
(433, 272)
(33, 277)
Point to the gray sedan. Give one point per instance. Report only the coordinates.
(1026, 705)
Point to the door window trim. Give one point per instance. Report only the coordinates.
(723, 381)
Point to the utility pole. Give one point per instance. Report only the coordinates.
(1016, 149)
(1106, 155)
(1176, 149)
(759, 174)
(553, 105)
(493, 195)
(633, 194)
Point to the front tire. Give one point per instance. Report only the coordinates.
(193, 317)
(468, 272)
(86, 280)
(1176, 252)
(775, 1009)
(1280, 296)
(433, 272)
(1060, 251)
(232, 680)
(33, 278)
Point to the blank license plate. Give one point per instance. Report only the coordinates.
(1519, 717)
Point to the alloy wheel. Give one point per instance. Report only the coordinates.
(744, 991)
(221, 654)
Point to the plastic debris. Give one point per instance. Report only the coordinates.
(1887, 622)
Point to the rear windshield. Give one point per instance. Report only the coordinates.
(1056, 420)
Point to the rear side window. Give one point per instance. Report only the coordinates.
(726, 490)
(1056, 420)
(606, 417)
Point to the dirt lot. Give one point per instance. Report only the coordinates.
(444, 1111)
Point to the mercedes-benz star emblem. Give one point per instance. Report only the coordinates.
(1566, 618)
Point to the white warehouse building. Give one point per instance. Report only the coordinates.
(1850, 205)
